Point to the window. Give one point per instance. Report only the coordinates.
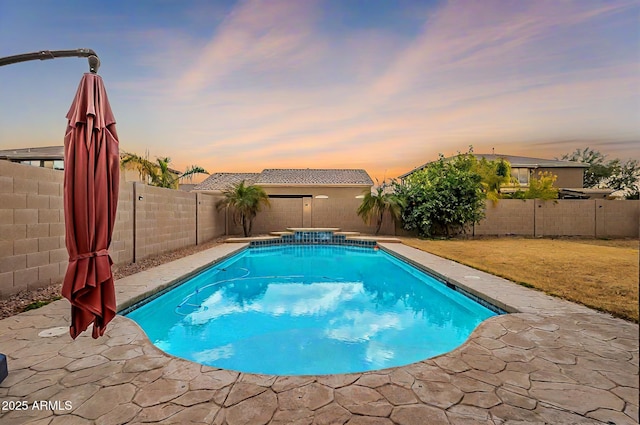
(521, 175)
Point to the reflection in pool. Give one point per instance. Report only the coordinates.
(309, 309)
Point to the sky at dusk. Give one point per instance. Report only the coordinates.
(239, 86)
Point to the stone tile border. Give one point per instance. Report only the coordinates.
(314, 236)
(550, 361)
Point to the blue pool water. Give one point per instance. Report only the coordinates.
(309, 309)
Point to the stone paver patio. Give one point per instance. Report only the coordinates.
(550, 361)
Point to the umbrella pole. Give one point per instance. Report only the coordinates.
(94, 61)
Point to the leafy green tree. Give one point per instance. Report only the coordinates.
(626, 177)
(539, 188)
(613, 174)
(494, 175)
(444, 198)
(378, 203)
(158, 173)
(246, 202)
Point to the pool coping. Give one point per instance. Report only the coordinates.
(552, 361)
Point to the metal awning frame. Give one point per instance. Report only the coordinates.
(94, 61)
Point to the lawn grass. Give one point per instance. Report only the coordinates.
(601, 274)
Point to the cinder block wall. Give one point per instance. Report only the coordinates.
(121, 249)
(165, 220)
(589, 218)
(507, 217)
(210, 221)
(33, 252)
(571, 217)
(617, 219)
(32, 249)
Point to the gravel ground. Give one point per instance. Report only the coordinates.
(19, 302)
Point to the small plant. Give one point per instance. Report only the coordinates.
(539, 188)
(246, 202)
(376, 205)
(40, 303)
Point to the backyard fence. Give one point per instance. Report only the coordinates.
(153, 220)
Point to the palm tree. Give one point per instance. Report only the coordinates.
(158, 173)
(377, 204)
(246, 202)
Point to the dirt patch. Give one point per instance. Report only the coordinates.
(28, 299)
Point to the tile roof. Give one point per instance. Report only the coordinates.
(314, 176)
(289, 176)
(525, 161)
(518, 162)
(222, 181)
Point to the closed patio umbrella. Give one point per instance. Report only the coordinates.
(91, 179)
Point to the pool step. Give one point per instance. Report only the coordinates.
(252, 238)
(380, 239)
(281, 233)
(347, 234)
(313, 229)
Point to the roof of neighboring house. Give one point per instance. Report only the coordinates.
(519, 162)
(311, 176)
(47, 153)
(527, 162)
(584, 193)
(289, 177)
(222, 181)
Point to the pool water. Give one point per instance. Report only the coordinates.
(309, 309)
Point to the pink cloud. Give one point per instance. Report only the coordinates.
(255, 34)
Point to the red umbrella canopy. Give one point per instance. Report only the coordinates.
(91, 179)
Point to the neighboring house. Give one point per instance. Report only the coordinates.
(570, 174)
(53, 157)
(46, 157)
(301, 197)
(217, 182)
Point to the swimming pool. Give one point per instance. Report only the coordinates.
(309, 309)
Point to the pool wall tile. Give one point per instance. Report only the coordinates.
(314, 238)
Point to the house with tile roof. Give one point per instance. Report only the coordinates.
(301, 197)
(570, 173)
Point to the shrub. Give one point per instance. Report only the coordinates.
(444, 198)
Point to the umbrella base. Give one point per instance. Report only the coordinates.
(4, 372)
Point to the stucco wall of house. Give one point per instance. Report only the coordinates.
(337, 210)
(567, 177)
(283, 213)
(341, 192)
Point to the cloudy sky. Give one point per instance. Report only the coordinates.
(383, 85)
